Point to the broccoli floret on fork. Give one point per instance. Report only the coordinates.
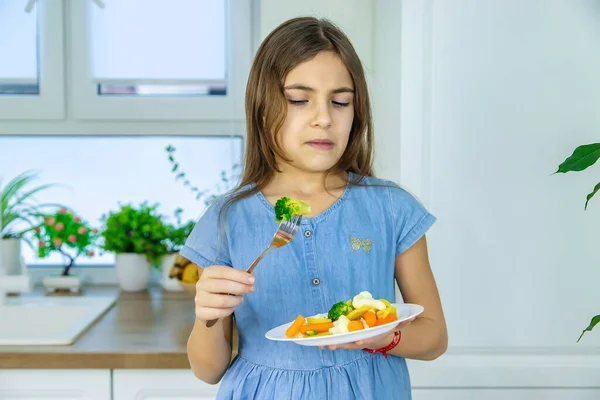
(287, 207)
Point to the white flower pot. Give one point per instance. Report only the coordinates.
(170, 284)
(10, 251)
(133, 272)
(55, 283)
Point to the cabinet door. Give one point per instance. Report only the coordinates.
(64, 384)
(157, 384)
(502, 394)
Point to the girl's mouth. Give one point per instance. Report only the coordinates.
(321, 144)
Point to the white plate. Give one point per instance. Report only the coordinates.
(404, 311)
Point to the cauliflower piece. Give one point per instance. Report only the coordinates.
(366, 299)
(340, 325)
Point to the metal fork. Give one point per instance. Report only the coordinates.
(285, 233)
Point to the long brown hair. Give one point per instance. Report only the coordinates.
(291, 43)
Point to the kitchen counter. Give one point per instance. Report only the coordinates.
(142, 330)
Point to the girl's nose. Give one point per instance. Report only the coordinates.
(322, 117)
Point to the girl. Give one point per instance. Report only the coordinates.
(310, 137)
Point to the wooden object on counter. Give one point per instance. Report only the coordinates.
(142, 330)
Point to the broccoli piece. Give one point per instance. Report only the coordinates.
(337, 310)
(287, 207)
(311, 333)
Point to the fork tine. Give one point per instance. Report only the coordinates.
(291, 226)
(295, 223)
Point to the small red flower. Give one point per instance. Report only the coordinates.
(82, 230)
(42, 244)
(90, 253)
(72, 238)
(77, 219)
(60, 226)
(50, 221)
(63, 211)
(57, 242)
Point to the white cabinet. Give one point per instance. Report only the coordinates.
(502, 394)
(55, 384)
(166, 384)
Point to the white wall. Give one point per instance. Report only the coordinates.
(355, 17)
(495, 95)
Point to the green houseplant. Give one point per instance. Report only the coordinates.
(19, 214)
(228, 179)
(136, 234)
(67, 234)
(582, 158)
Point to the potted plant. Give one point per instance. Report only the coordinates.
(69, 235)
(136, 234)
(583, 157)
(19, 214)
(177, 234)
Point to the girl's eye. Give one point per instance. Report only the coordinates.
(337, 103)
(297, 102)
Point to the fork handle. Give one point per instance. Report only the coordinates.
(250, 269)
(212, 322)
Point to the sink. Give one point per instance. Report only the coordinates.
(49, 320)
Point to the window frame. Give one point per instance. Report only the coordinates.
(49, 104)
(86, 104)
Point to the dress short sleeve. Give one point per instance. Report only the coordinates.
(412, 220)
(207, 244)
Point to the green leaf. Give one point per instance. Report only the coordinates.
(21, 199)
(589, 196)
(582, 157)
(593, 323)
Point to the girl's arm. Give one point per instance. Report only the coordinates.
(426, 338)
(209, 349)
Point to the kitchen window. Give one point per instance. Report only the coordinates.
(31, 73)
(135, 60)
(160, 60)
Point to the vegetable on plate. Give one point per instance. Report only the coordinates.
(360, 312)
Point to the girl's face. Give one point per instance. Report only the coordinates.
(320, 112)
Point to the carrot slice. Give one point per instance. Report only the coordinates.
(321, 327)
(370, 318)
(355, 326)
(386, 320)
(295, 327)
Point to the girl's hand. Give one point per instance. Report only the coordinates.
(376, 342)
(219, 290)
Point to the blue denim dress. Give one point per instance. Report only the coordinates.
(349, 248)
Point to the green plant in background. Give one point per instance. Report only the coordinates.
(62, 231)
(135, 229)
(177, 233)
(583, 157)
(18, 208)
(228, 180)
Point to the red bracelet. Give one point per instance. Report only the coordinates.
(384, 350)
